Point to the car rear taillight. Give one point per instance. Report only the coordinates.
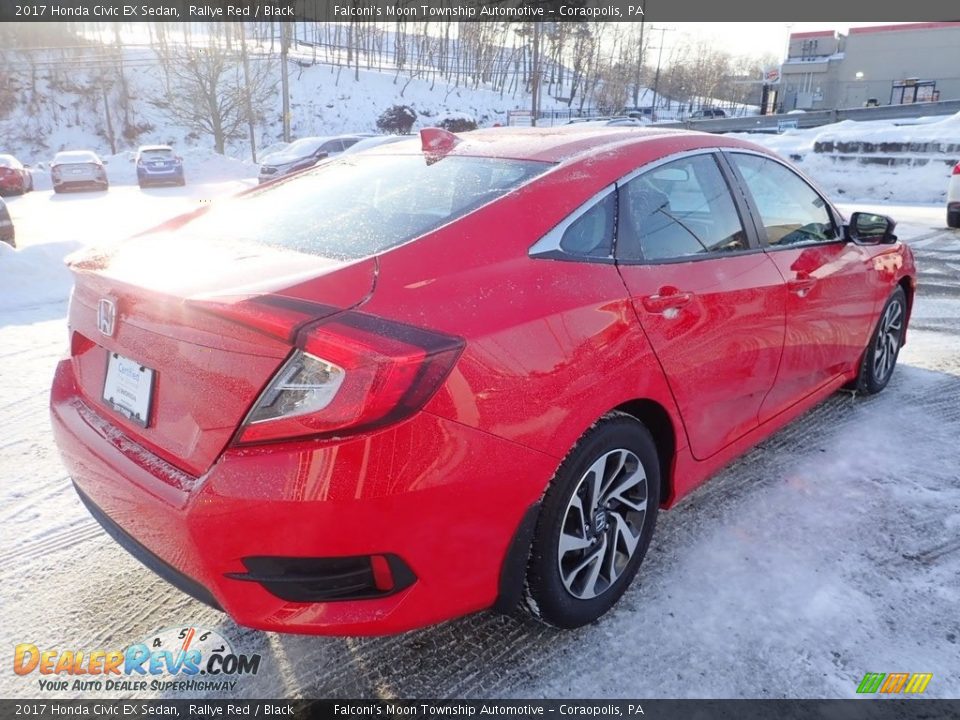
(956, 169)
(350, 373)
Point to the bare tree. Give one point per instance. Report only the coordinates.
(208, 94)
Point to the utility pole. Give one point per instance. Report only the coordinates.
(656, 79)
(637, 77)
(284, 80)
(246, 92)
(111, 138)
(535, 86)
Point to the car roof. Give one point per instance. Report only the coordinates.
(148, 148)
(554, 144)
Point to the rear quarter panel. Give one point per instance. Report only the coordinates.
(551, 345)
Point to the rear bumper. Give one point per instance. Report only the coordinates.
(442, 498)
(159, 176)
(84, 182)
(13, 184)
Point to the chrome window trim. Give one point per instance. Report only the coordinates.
(637, 172)
(549, 245)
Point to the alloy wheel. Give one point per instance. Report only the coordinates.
(888, 341)
(602, 524)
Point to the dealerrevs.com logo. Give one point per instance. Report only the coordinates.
(186, 659)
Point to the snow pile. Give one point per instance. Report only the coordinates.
(35, 275)
(855, 177)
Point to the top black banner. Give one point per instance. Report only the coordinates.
(547, 11)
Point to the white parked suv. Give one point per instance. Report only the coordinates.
(953, 199)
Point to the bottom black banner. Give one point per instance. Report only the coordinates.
(865, 709)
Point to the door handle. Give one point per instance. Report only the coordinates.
(663, 301)
(801, 284)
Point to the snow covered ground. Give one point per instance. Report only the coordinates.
(908, 181)
(828, 551)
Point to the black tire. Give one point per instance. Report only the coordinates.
(876, 368)
(566, 598)
(183, 181)
(953, 218)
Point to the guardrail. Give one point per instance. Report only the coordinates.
(816, 118)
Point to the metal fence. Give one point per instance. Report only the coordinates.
(816, 118)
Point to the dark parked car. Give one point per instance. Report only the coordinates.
(303, 154)
(707, 113)
(15, 179)
(6, 226)
(159, 165)
(78, 169)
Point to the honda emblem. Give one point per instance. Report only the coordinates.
(106, 317)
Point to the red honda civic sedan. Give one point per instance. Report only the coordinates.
(462, 373)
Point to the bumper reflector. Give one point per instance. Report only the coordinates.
(359, 577)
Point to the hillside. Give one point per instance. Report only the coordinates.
(55, 101)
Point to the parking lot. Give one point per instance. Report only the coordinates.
(828, 551)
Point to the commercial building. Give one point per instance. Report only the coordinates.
(879, 65)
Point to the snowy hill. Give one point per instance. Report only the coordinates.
(58, 102)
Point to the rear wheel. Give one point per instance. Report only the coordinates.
(953, 218)
(880, 358)
(596, 523)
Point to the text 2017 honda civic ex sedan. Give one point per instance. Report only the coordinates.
(460, 373)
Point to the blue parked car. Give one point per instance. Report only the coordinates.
(159, 165)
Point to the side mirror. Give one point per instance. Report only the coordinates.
(870, 228)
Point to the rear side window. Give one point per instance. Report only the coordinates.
(360, 205)
(677, 211)
(791, 211)
(591, 234)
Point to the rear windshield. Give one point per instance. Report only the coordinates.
(156, 154)
(76, 156)
(361, 205)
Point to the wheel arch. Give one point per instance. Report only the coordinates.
(909, 290)
(657, 420)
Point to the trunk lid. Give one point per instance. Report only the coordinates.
(178, 310)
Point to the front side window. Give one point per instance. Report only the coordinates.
(792, 213)
(678, 210)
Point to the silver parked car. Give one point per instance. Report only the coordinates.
(78, 169)
(303, 154)
(7, 234)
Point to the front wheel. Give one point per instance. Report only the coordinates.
(881, 354)
(597, 520)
